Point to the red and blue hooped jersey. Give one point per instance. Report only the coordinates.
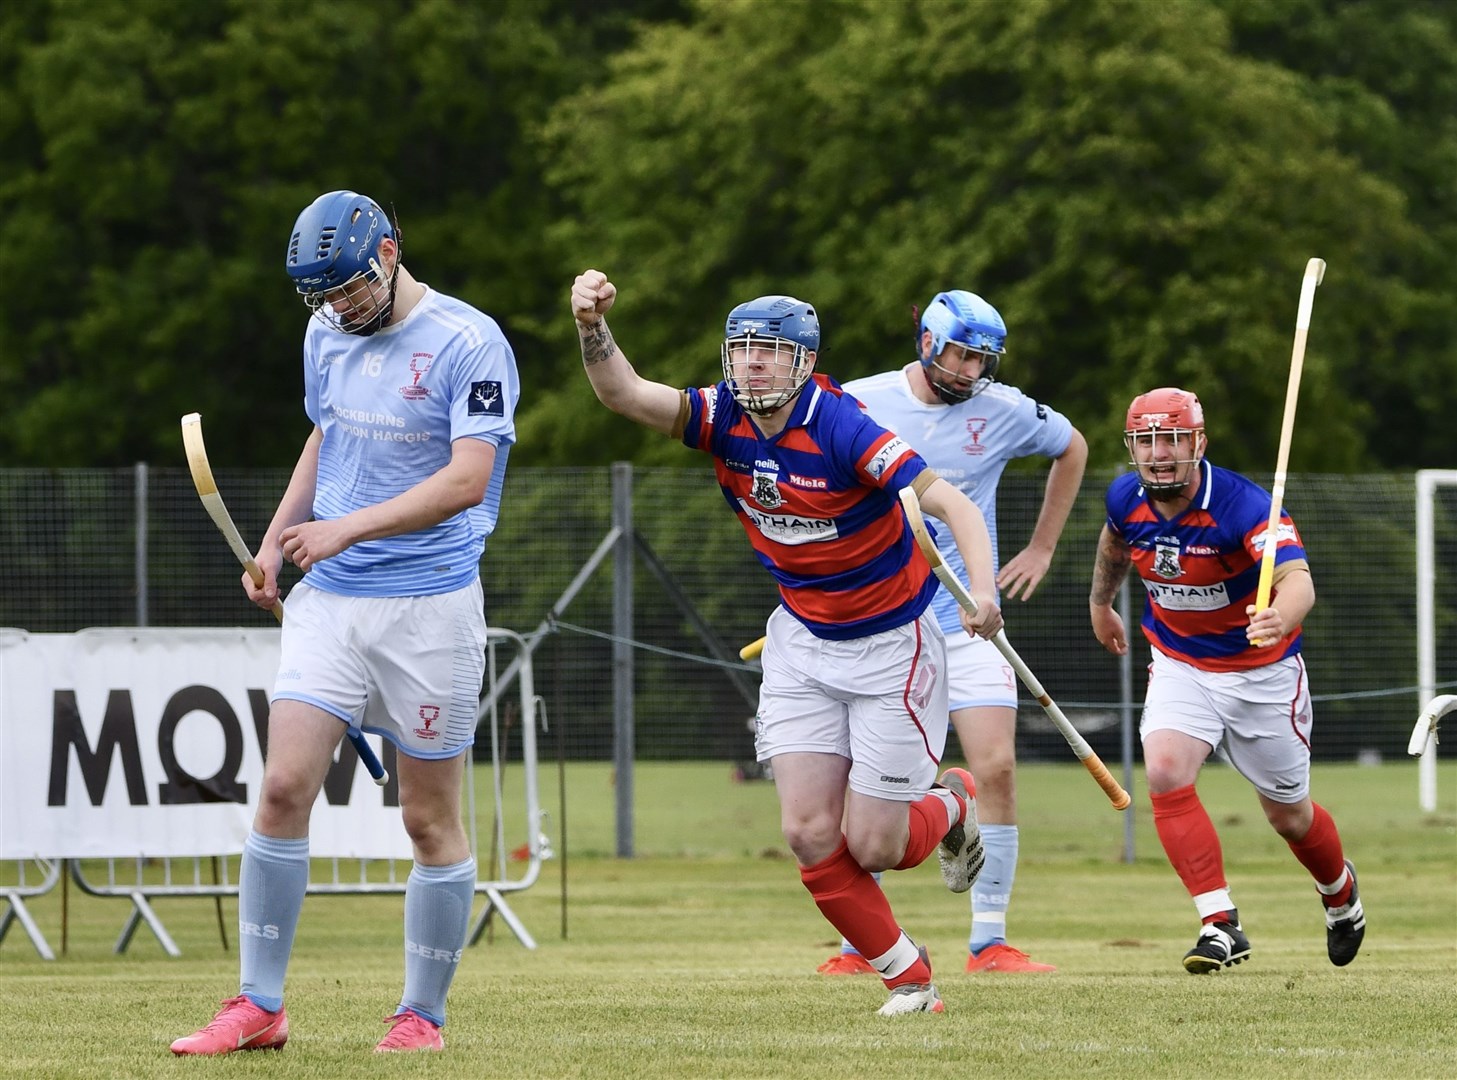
(1202, 569)
(820, 504)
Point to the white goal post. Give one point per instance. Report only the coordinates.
(1428, 481)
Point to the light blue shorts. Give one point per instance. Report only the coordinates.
(408, 668)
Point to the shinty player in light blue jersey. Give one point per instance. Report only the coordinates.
(968, 426)
(389, 407)
(412, 396)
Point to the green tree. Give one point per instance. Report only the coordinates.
(157, 152)
(1137, 197)
(1385, 73)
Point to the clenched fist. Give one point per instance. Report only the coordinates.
(592, 296)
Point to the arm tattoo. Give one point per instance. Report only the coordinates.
(597, 343)
(1109, 569)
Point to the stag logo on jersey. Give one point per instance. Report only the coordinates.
(420, 364)
(789, 528)
(1166, 561)
(975, 427)
(766, 491)
(485, 399)
(428, 715)
(889, 454)
(1173, 597)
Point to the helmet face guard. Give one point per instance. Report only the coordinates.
(769, 351)
(967, 326)
(949, 383)
(1164, 434)
(333, 261)
(765, 372)
(361, 306)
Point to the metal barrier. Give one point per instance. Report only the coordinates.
(14, 895)
(142, 881)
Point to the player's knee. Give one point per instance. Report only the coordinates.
(1292, 822)
(432, 831)
(876, 852)
(812, 838)
(996, 774)
(1165, 773)
(284, 804)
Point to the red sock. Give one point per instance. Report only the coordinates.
(1190, 842)
(851, 899)
(928, 826)
(1319, 851)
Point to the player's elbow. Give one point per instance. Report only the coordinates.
(1077, 450)
(616, 394)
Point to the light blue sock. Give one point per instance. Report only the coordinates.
(437, 918)
(271, 885)
(845, 947)
(992, 893)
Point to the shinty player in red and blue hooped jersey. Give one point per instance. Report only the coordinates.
(1224, 675)
(1201, 568)
(819, 506)
(853, 707)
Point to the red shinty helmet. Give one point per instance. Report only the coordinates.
(1166, 409)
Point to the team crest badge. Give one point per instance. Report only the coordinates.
(1166, 561)
(766, 491)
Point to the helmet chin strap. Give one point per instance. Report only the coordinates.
(750, 403)
(947, 395)
(1169, 490)
(383, 309)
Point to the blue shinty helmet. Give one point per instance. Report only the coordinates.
(788, 327)
(776, 316)
(965, 319)
(334, 240)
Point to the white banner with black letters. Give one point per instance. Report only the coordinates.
(149, 742)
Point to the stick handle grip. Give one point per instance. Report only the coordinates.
(1111, 787)
(1267, 574)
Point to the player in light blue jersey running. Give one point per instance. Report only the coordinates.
(412, 397)
(949, 406)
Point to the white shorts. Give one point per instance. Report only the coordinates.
(879, 701)
(408, 668)
(980, 675)
(1261, 717)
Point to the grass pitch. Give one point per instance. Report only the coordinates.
(697, 957)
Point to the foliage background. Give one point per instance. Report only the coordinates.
(1136, 186)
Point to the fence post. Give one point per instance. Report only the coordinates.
(1125, 709)
(622, 655)
(139, 503)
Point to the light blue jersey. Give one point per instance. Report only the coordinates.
(389, 406)
(968, 444)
